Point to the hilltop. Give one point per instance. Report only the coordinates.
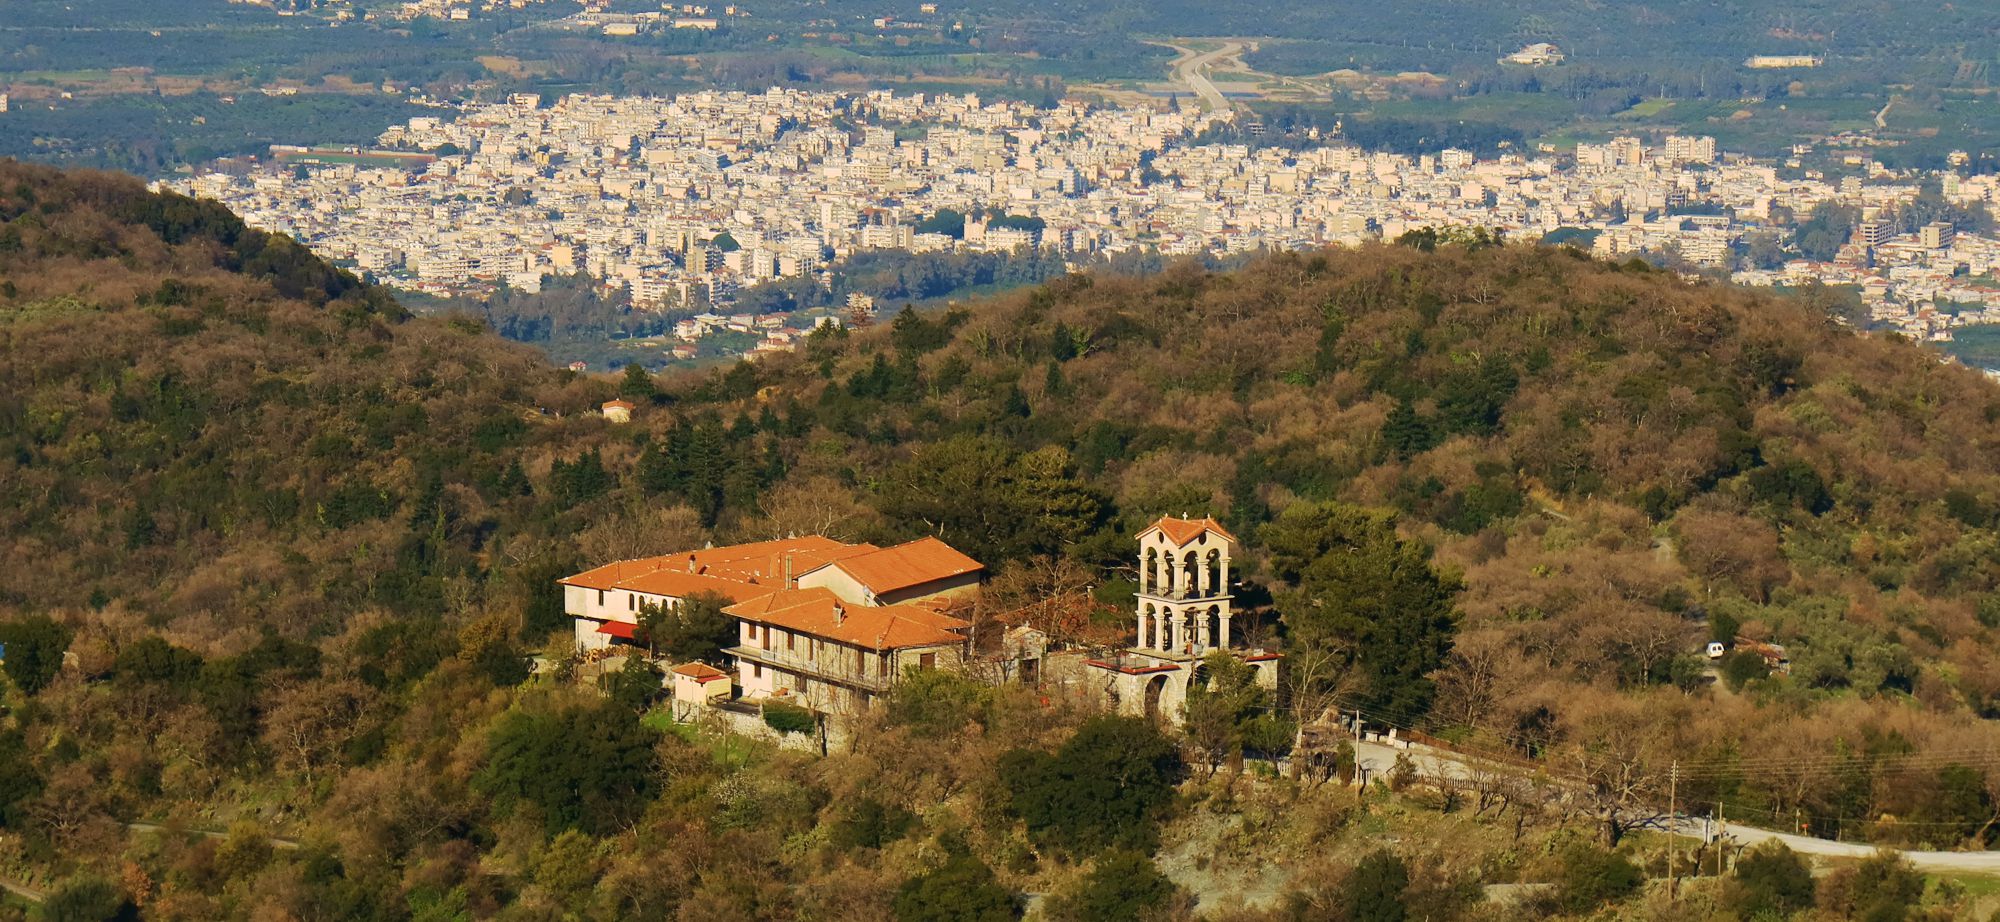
(204, 421)
(1619, 465)
(297, 545)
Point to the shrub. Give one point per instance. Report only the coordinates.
(35, 647)
(1375, 891)
(1123, 885)
(1884, 888)
(788, 718)
(872, 824)
(588, 768)
(939, 702)
(1108, 786)
(1740, 667)
(962, 890)
(1770, 879)
(1592, 877)
(89, 899)
(636, 685)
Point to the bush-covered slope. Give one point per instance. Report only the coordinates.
(208, 427)
(1618, 464)
(1586, 442)
(294, 544)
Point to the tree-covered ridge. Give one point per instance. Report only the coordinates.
(281, 559)
(202, 419)
(1615, 464)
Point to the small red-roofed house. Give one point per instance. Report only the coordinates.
(698, 685)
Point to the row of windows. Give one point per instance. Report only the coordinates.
(631, 600)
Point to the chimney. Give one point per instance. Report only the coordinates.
(839, 613)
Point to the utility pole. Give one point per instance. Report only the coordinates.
(1673, 820)
(1721, 830)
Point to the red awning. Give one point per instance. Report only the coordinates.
(619, 629)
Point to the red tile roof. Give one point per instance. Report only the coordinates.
(820, 613)
(753, 577)
(680, 585)
(759, 563)
(1184, 531)
(700, 672)
(924, 560)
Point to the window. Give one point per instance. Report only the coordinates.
(882, 665)
(631, 601)
(756, 670)
(791, 641)
(926, 660)
(600, 597)
(767, 637)
(861, 662)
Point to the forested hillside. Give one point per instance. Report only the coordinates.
(277, 553)
(1617, 465)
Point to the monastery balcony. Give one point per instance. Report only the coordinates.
(811, 669)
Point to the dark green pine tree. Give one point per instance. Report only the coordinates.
(1405, 433)
(1359, 590)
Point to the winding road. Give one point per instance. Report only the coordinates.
(1375, 760)
(1191, 70)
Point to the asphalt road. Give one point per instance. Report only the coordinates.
(1376, 759)
(1191, 71)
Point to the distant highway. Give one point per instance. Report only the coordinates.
(1191, 70)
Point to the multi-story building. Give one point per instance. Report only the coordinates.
(826, 622)
(1874, 233)
(1684, 149)
(813, 646)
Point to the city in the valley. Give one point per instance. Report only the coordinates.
(681, 203)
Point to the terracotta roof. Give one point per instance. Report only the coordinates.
(679, 584)
(753, 577)
(818, 612)
(773, 567)
(700, 672)
(1183, 531)
(626, 404)
(921, 561)
(759, 564)
(619, 629)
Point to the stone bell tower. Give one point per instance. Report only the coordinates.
(1183, 597)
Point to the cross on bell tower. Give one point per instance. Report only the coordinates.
(1183, 597)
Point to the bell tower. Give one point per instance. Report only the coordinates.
(1183, 597)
